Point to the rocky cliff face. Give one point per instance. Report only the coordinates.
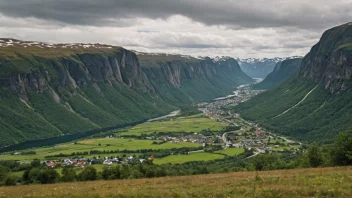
(192, 79)
(178, 70)
(329, 61)
(50, 90)
(78, 70)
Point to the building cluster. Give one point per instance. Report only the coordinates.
(82, 162)
(194, 138)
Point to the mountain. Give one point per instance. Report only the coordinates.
(258, 67)
(316, 103)
(185, 79)
(282, 71)
(49, 90)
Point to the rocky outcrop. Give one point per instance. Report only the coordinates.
(329, 61)
(178, 71)
(81, 70)
(192, 79)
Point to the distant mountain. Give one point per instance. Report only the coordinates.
(282, 71)
(315, 104)
(49, 90)
(259, 67)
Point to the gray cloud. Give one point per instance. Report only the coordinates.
(247, 28)
(233, 13)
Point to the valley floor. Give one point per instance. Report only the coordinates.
(318, 182)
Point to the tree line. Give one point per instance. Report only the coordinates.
(337, 154)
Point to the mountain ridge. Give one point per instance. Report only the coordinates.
(260, 67)
(282, 71)
(316, 103)
(49, 90)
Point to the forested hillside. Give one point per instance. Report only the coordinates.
(315, 104)
(282, 71)
(53, 90)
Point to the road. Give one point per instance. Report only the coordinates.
(198, 151)
(257, 152)
(297, 103)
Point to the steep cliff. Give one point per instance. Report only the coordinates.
(282, 71)
(315, 104)
(330, 60)
(51, 90)
(183, 79)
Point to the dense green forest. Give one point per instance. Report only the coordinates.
(319, 118)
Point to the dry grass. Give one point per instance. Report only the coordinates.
(321, 182)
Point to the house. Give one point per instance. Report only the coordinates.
(107, 162)
(68, 162)
(130, 158)
(50, 164)
(236, 145)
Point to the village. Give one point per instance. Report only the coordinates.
(248, 135)
(82, 162)
(238, 133)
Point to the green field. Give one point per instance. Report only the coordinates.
(195, 124)
(179, 159)
(231, 151)
(93, 144)
(281, 148)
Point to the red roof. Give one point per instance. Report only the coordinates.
(51, 164)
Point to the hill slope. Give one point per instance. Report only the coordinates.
(185, 80)
(53, 90)
(317, 102)
(282, 71)
(320, 182)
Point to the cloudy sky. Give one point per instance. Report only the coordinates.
(237, 28)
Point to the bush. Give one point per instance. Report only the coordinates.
(89, 173)
(10, 180)
(68, 174)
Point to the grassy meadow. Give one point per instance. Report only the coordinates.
(318, 182)
(231, 151)
(93, 144)
(195, 123)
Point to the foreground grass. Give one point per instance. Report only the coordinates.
(320, 182)
(179, 159)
